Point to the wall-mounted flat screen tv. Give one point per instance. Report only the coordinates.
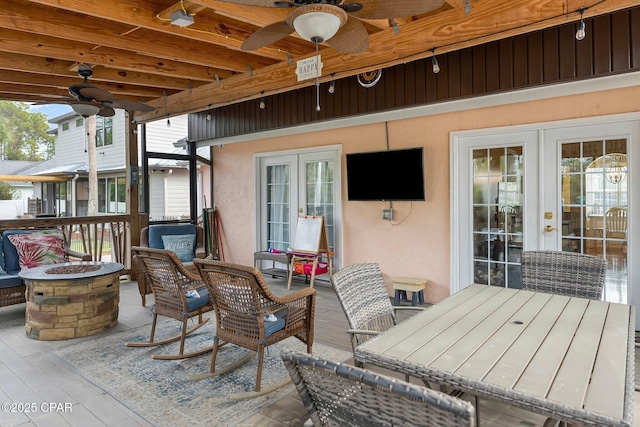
(392, 175)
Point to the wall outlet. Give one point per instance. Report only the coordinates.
(387, 214)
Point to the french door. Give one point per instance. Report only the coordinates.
(293, 184)
(547, 187)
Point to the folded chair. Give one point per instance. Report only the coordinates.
(365, 301)
(335, 394)
(249, 315)
(563, 273)
(172, 285)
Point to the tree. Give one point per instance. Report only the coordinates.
(23, 135)
(7, 192)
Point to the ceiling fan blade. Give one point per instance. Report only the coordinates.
(92, 92)
(125, 104)
(260, 3)
(267, 35)
(385, 9)
(107, 111)
(352, 37)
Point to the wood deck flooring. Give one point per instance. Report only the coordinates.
(27, 374)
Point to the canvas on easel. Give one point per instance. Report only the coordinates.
(311, 241)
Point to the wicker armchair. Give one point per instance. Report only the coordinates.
(241, 299)
(563, 273)
(170, 281)
(365, 301)
(151, 237)
(341, 395)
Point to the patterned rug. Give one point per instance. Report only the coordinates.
(158, 390)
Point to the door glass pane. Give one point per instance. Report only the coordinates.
(594, 206)
(278, 206)
(319, 185)
(497, 215)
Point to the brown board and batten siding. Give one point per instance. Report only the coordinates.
(611, 46)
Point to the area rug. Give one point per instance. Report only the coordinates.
(158, 390)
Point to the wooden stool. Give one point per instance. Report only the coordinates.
(415, 285)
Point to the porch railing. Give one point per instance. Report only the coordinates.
(104, 237)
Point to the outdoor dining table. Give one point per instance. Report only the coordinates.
(568, 358)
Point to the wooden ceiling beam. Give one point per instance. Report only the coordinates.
(77, 28)
(449, 30)
(44, 80)
(46, 46)
(136, 13)
(50, 67)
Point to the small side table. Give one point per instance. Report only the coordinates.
(281, 257)
(415, 285)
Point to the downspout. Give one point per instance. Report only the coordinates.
(74, 194)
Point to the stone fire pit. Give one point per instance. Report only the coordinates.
(71, 300)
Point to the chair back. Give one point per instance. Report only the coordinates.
(616, 222)
(339, 395)
(364, 298)
(166, 275)
(563, 273)
(241, 299)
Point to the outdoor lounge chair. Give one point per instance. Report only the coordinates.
(365, 301)
(563, 273)
(155, 237)
(335, 394)
(242, 301)
(171, 282)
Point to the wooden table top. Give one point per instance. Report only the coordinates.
(568, 358)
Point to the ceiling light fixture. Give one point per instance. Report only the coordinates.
(85, 110)
(581, 33)
(435, 67)
(262, 104)
(615, 169)
(317, 22)
(209, 114)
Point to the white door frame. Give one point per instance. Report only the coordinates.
(633, 235)
(335, 151)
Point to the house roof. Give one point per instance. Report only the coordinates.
(136, 54)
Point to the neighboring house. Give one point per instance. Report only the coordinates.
(10, 209)
(71, 160)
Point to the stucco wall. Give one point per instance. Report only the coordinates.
(420, 245)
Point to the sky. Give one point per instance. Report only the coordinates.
(51, 110)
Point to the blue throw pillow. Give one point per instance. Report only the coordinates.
(182, 244)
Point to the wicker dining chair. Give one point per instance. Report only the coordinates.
(563, 273)
(243, 304)
(366, 303)
(170, 283)
(336, 394)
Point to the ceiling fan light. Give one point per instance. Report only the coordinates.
(85, 110)
(317, 22)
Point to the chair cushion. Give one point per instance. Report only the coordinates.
(196, 302)
(271, 328)
(10, 281)
(157, 231)
(183, 245)
(39, 248)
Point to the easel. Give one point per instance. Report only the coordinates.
(311, 241)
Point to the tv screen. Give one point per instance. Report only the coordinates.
(393, 175)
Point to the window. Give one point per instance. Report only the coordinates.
(65, 126)
(79, 122)
(104, 131)
(112, 195)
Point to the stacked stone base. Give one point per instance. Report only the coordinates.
(64, 309)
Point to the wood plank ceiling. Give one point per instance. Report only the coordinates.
(137, 54)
